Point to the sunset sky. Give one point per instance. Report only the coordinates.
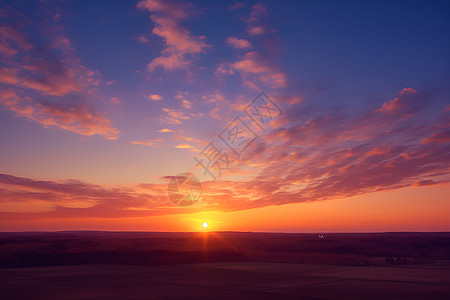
(103, 102)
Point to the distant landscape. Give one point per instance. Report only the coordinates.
(153, 248)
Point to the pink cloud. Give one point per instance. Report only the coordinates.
(6, 49)
(9, 76)
(253, 68)
(257, 30)
(254, 20)
(115, 100)
(441, 137)
(181, 45)
(224, 69)
(51, 89)
(16, 37)
(257, 68)
(238, 43)
(407, 102)
(315, 156)
(76, 117)
(104, 201)
(257, 12)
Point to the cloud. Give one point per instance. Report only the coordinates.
(76, 116)
(257, 12)
(425, 183)
(224, 69)
(12, 36)
(9, 75)
(174, 116)
(154, 97)
(257, 30)
(115, 100)
(92, 200)
(407, 103)
(257, 68)
(254, 69)
(183, 146)
(142, 39)
(46, 82)
(441, 137)
(165, 130)
(238, 43)
(315, 154)
(254, 21)
(147, 142)
(186, 104)
(237, 5)
(181, 45)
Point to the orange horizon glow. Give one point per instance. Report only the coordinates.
(406, 209)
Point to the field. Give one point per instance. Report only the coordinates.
(223, 265)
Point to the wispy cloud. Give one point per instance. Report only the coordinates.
(255, 25)
(46, 82)
(147, 142)
(181, 45)
(329, 154)
(255, 69)
(174, 116)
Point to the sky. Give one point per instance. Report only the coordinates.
(291, 116)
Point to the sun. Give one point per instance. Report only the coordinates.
(205, 225)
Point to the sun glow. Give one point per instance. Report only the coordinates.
(205, 225)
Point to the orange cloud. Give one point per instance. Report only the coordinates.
(174, 116)
(154, 97)
(301, 162)
(165, 130)
(183, 146)
(147, 142)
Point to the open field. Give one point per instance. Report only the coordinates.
(227, 281)
(145, 248)
(224, 265)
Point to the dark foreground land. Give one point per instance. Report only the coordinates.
(241, 280)
(223, 265)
